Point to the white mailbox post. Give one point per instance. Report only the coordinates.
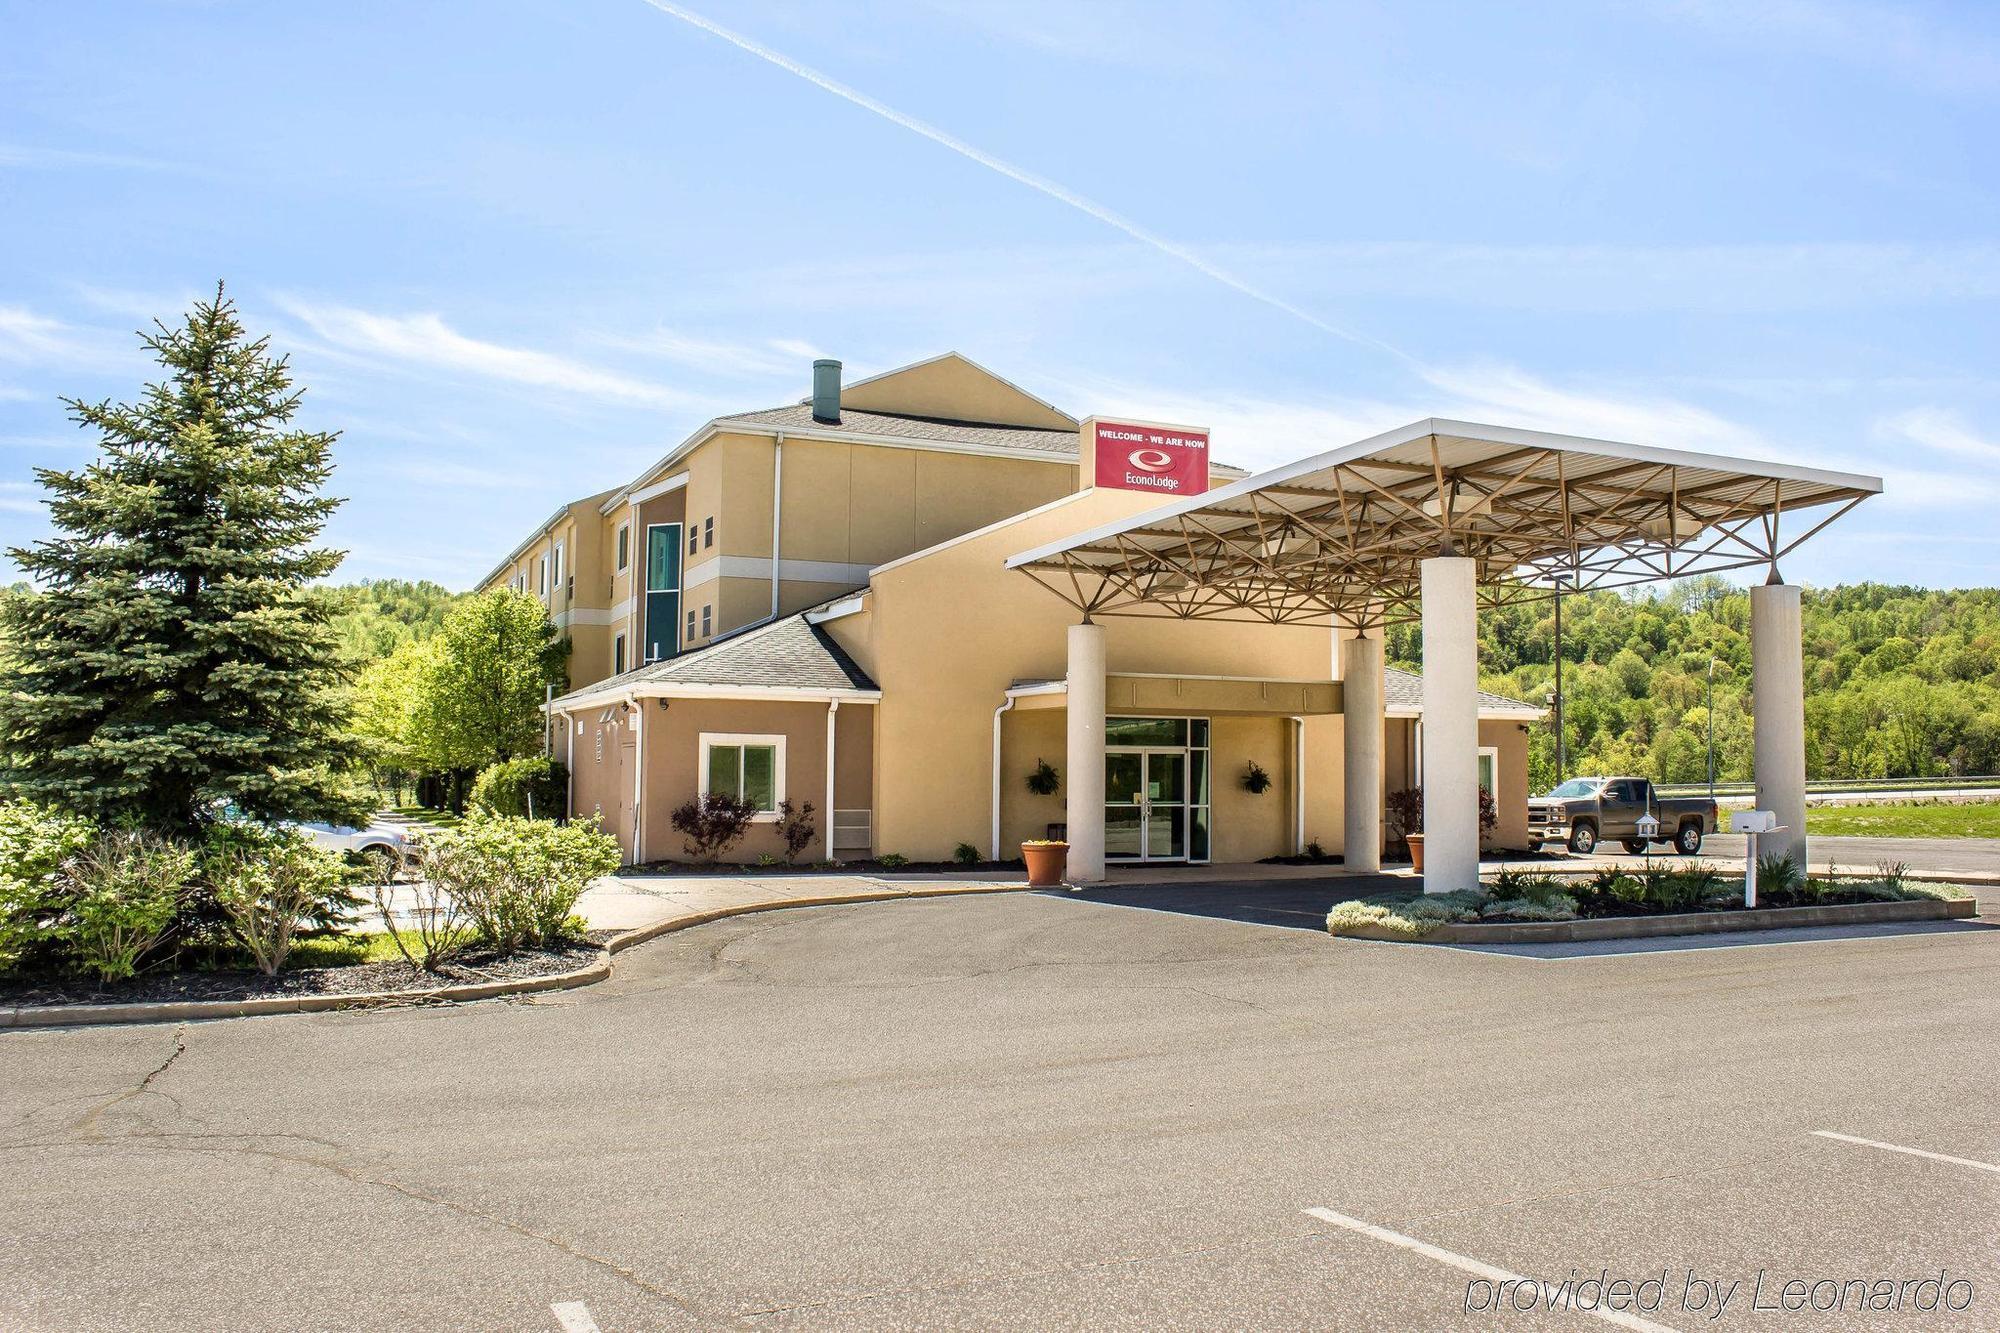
(1753, 824)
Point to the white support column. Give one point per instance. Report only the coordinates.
(1451, 724)
(1361, 750)
(1778, 683)
(1084, 811)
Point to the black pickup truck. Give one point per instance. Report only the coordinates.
(1586, 811)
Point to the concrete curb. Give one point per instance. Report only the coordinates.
(1684, 923)
(191, 1011)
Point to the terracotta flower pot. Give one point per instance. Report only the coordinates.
(1045, 863)
(1416, 842)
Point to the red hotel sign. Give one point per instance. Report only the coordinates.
(1169, 459)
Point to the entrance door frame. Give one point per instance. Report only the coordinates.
(1144, 804)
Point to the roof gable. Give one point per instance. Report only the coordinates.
(953, 388)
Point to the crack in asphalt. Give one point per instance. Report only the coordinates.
(86, 1131)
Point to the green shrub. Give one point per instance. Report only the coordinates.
(1559, 907)
(118, 897)
(965, 854)
(531, 788)
(34, 843)
(1534, 886)
(890, 860)
(518, 879)
(274, 893)
(1780, 881)
(1412, 918)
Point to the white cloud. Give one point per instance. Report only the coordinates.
(1802, 275)
(773, 356)
(425, 340)
(1944, 432)
(27, 336)
(1508, 395)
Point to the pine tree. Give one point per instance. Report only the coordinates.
(175, 655)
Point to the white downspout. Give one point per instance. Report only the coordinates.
(569, 762)
(777, 523)
(1298, 786)
(832, 716)
(638, 779)
(996, 774)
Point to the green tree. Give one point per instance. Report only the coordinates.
(175, 655)
(478, 700)
(385, 707)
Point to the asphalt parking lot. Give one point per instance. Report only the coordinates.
(1030, 1110)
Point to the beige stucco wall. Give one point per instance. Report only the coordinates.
(947, 633)
(599, 751)
(673, 756)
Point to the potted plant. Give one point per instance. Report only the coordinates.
(1046, 860)
(1256, 780)
(1406, 815)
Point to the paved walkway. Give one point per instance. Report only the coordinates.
(639, 901)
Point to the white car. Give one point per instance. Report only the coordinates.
(384, 847)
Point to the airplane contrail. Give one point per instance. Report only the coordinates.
(1060, 193)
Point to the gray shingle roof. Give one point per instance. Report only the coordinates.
(1405, 689)
(785, 654)
(798, 416)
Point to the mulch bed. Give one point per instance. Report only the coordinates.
(360, 979)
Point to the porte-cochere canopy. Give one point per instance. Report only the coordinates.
(1338, 537)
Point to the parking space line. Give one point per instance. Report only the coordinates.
(1472, 1266)
(1914, 1152)
(574, 1316)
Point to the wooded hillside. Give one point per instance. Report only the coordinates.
(1900, 682)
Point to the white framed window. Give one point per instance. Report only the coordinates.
(1489, 769)
(707, 620)
(556, 569)
(618, 655)
(624, 546)
(751, 767)
(542, 576)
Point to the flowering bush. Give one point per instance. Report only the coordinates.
(34, 843)
(518, 879)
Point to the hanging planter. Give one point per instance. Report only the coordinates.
(1255, 780)
(1044, 780)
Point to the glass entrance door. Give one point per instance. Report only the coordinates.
(1145, 804)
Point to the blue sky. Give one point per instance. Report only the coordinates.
(518, 250)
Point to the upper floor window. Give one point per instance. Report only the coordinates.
(624, 546)
(694, 539)
(556, 570)
(542, 576)
(618, 655)
(708, 532)
(707, 619)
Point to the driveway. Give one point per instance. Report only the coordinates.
(1019, 1110)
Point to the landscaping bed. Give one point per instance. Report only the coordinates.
(473, 967)
(1525, 907)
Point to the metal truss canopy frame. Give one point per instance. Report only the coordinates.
(1339, 538)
